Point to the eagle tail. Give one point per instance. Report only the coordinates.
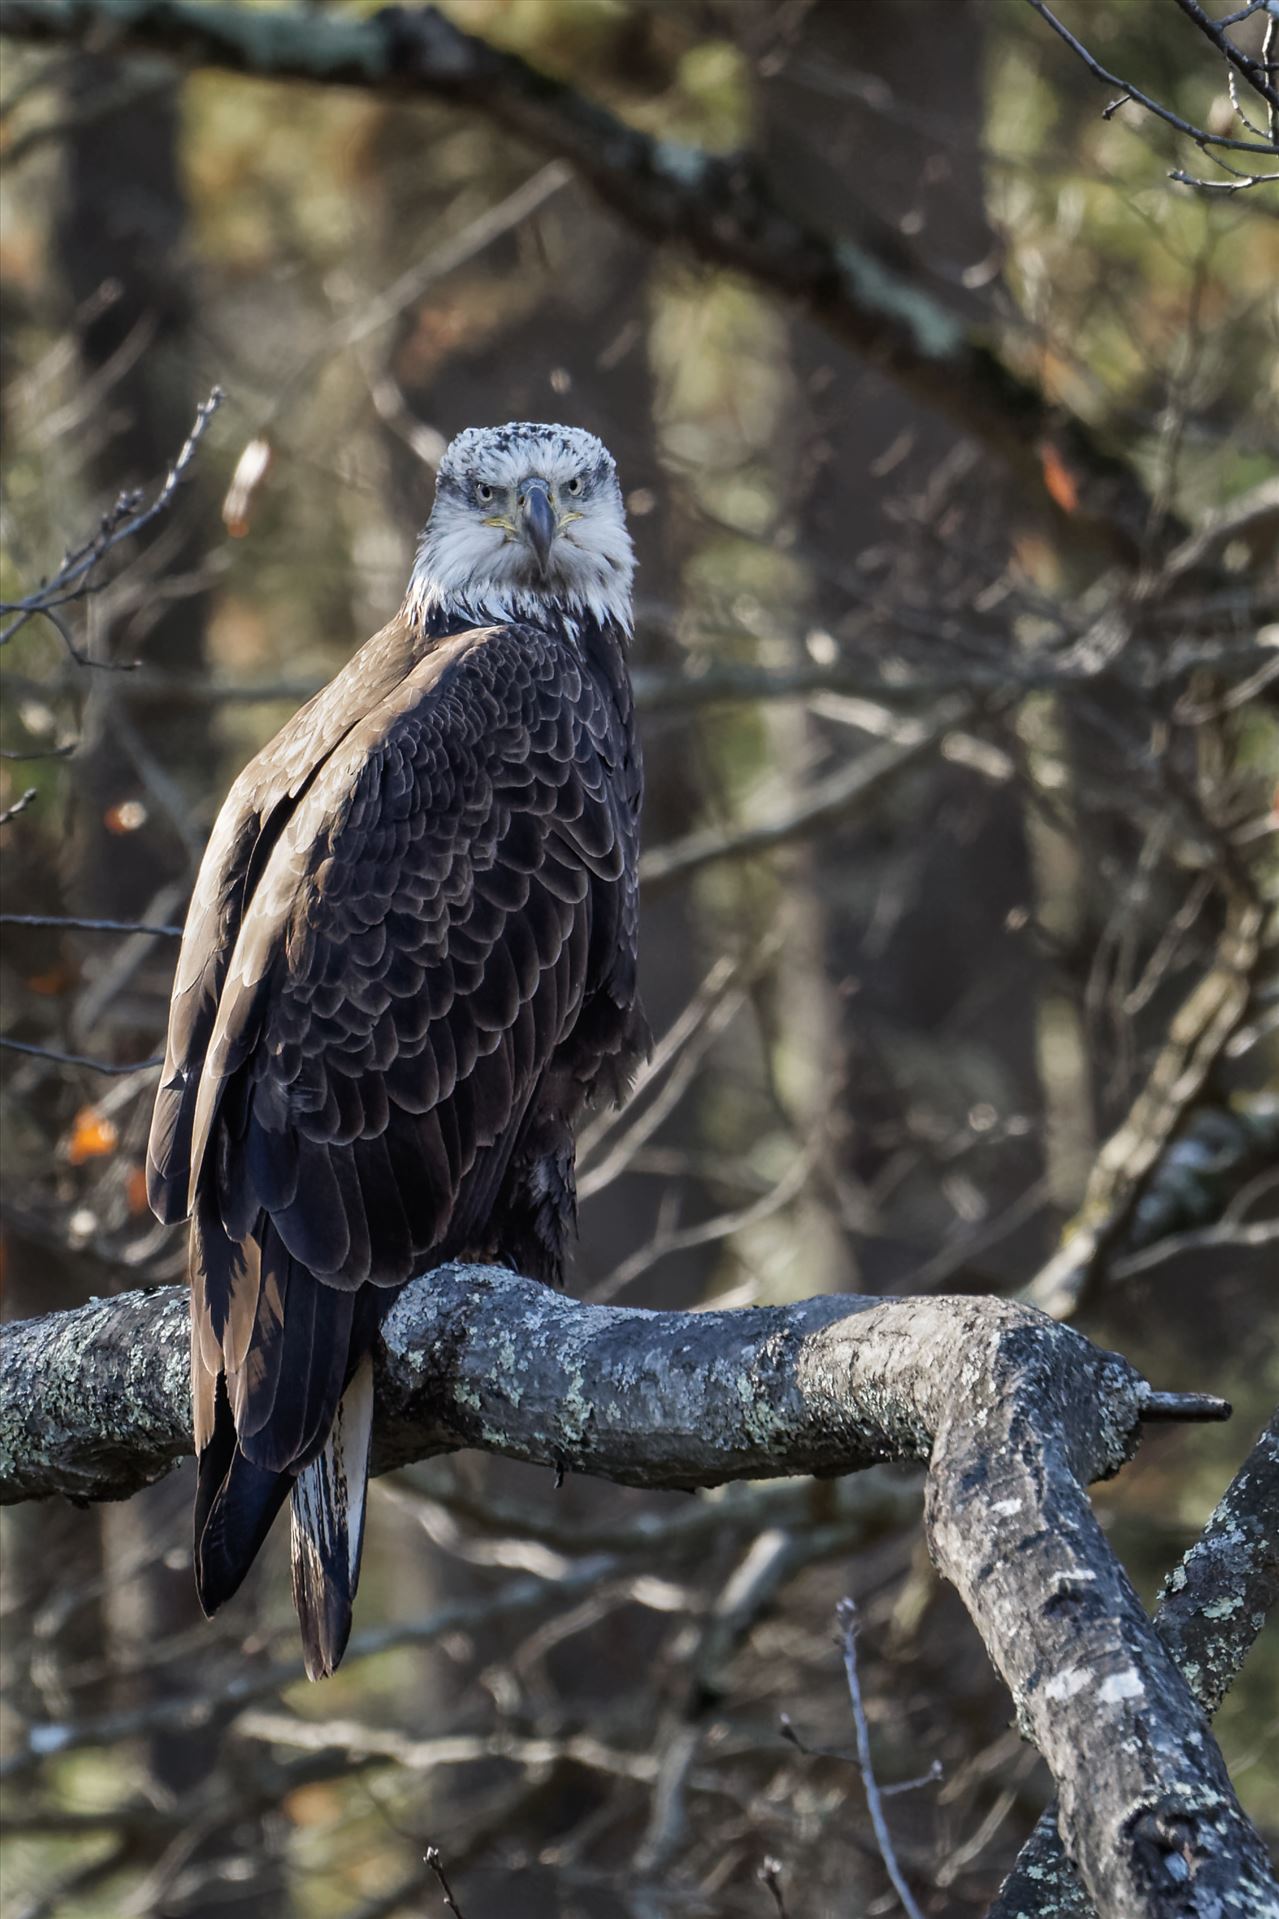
(328, 1527)
(235, 1505)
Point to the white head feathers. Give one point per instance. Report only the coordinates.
(528, 520)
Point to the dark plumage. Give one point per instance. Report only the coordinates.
(408, 963)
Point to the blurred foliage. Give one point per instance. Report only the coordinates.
(968, 978)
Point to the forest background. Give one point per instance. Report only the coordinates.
(956, 666)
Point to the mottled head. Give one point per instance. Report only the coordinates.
(527, 522)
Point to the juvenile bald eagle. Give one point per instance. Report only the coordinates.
(408, 964)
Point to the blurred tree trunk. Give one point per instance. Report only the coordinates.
(846, 100)
(120, 235)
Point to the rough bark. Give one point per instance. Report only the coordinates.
(1013, 1413)
(1213, 1606)
(719, 205)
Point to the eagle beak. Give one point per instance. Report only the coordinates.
(537, 518)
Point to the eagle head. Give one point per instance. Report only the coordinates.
(528, 523)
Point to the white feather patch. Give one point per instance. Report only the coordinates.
(328, 1526)
(483, 572)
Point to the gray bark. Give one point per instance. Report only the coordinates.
(718, 205)
(1013, 1413)
(1212, 1608)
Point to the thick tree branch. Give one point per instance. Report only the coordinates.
(1013, 1413)
(720, 205)
(1212, 1609)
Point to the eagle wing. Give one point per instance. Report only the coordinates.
(406, 929)
(247, 825)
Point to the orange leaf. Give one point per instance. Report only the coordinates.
(315, 1805)
(251, 469)
(93, 1136)
(135, 1189)
(127, 817)
(1058, 478)
(50, 984)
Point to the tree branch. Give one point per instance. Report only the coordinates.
(1203, 137)
(1013, 1413)
(1254, 71)
(1197, 1036)
(1213, 1607)
(831, 800)
(719, 205)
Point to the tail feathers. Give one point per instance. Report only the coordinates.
(235, 1505)
(328, 1528)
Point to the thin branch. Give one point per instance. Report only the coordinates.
(90, 926)
(1186, 1407)
(79, 1059)
(20, 805)
(1197, 1037)
(1196, 1239)
(769, 1873)
(377, 310)
(846, 1614)
(722, 206)
(1253, 71)
(123, 521)
(1200, 135)
(1240, 184)
(436, 1865)
(40, 752)
(831, 800)
(716, 682)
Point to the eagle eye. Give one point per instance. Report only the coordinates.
(575, 484)
(483, 493)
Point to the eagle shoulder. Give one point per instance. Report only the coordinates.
(255, 808)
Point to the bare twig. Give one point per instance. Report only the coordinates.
(836, 797)
(79, 1059)
(1220, 1238)
(123, 521)
(436, 1865)
(379, 309)
(846, 1614)
(41, 752)
(1240, 183)
(1253, 71)
(769, 1874)
(90, 926)
(20, 805)
(1186, 1407)
(1197, 1036)
(1200, 135)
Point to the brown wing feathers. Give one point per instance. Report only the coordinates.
(402, 913)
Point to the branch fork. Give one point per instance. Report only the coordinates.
(1013, 1414)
